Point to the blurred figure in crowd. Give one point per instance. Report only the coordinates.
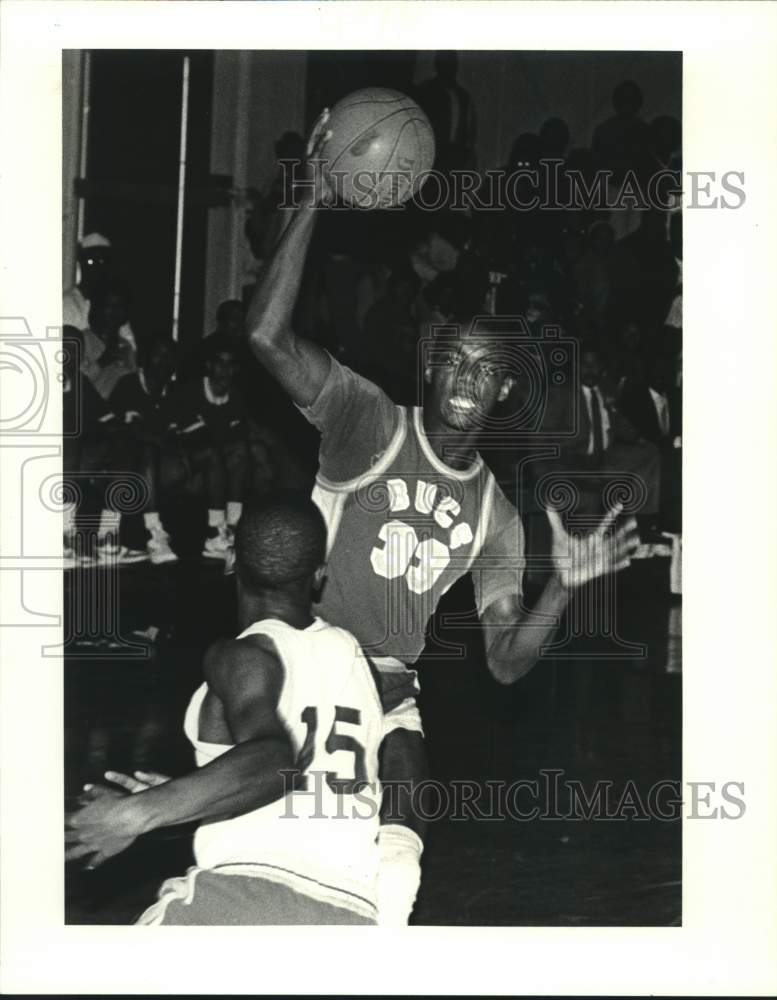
(89, 427)
(593, 273)
(621, 143)
(230, 325)
(605, 443)
(107, 354)
(96, 266)
(210, 418)
(452, 115)
(141, 402)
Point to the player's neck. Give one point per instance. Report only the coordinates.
(457, 449)
(289, 607)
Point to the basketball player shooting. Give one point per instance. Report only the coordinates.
(410, 506)
(286, 733)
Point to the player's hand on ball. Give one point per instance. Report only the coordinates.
(319, 136)
(580, 558)
(101, 828)
(139, 781)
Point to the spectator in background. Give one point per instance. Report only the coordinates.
(592, 273)
(674, 318)
(141, 404)
(651, 404)
(626, 360)
(605, 443)
(230, 321)
(88, 431)
(96, 264)
(210, 418)
(107, 353)
(653, 407)
(644, 274)
(622, 144)
(665, 139)
(452, 115)
(230, 325)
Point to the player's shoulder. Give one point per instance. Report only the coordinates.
(252, 657)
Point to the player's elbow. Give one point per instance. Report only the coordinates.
(270, 344)
(507, 670)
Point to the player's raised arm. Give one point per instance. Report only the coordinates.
(298, 364)
(250, 775)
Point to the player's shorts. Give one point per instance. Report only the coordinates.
(208, 897)
(398, 687)
(220, 898)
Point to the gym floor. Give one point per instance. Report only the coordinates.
(593, 713)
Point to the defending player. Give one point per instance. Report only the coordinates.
(409, 504)
(289, 692)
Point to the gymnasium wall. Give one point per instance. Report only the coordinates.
(257, 96)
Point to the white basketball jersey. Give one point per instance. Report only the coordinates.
(320, 839)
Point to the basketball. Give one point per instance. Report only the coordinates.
(381, 148)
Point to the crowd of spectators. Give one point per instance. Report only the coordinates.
(205, 424)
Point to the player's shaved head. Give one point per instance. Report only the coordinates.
(280, 542)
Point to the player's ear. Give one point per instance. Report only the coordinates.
(319, 579)
(428, 374)
(505, 389)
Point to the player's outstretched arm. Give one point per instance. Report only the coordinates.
(246, 777)
(512, 646)
(298, 364)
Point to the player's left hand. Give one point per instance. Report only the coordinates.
(102, 827)
(581, 558)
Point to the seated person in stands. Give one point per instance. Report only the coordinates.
(107, 354)
(147, 443)
(211, 424)
(88, 427)
(97, 266)
(230, 324)
(626, 357)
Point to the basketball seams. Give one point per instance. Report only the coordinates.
(370, 158)
(358, 135)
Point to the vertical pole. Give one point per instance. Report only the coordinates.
(240, 172)
(86, 86)
(181, 192)
(72, 104)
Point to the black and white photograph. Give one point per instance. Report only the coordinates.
(360, 433)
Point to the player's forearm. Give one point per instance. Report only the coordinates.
(512, 648)
(269, 316)
(245, 778)
(403, 767)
